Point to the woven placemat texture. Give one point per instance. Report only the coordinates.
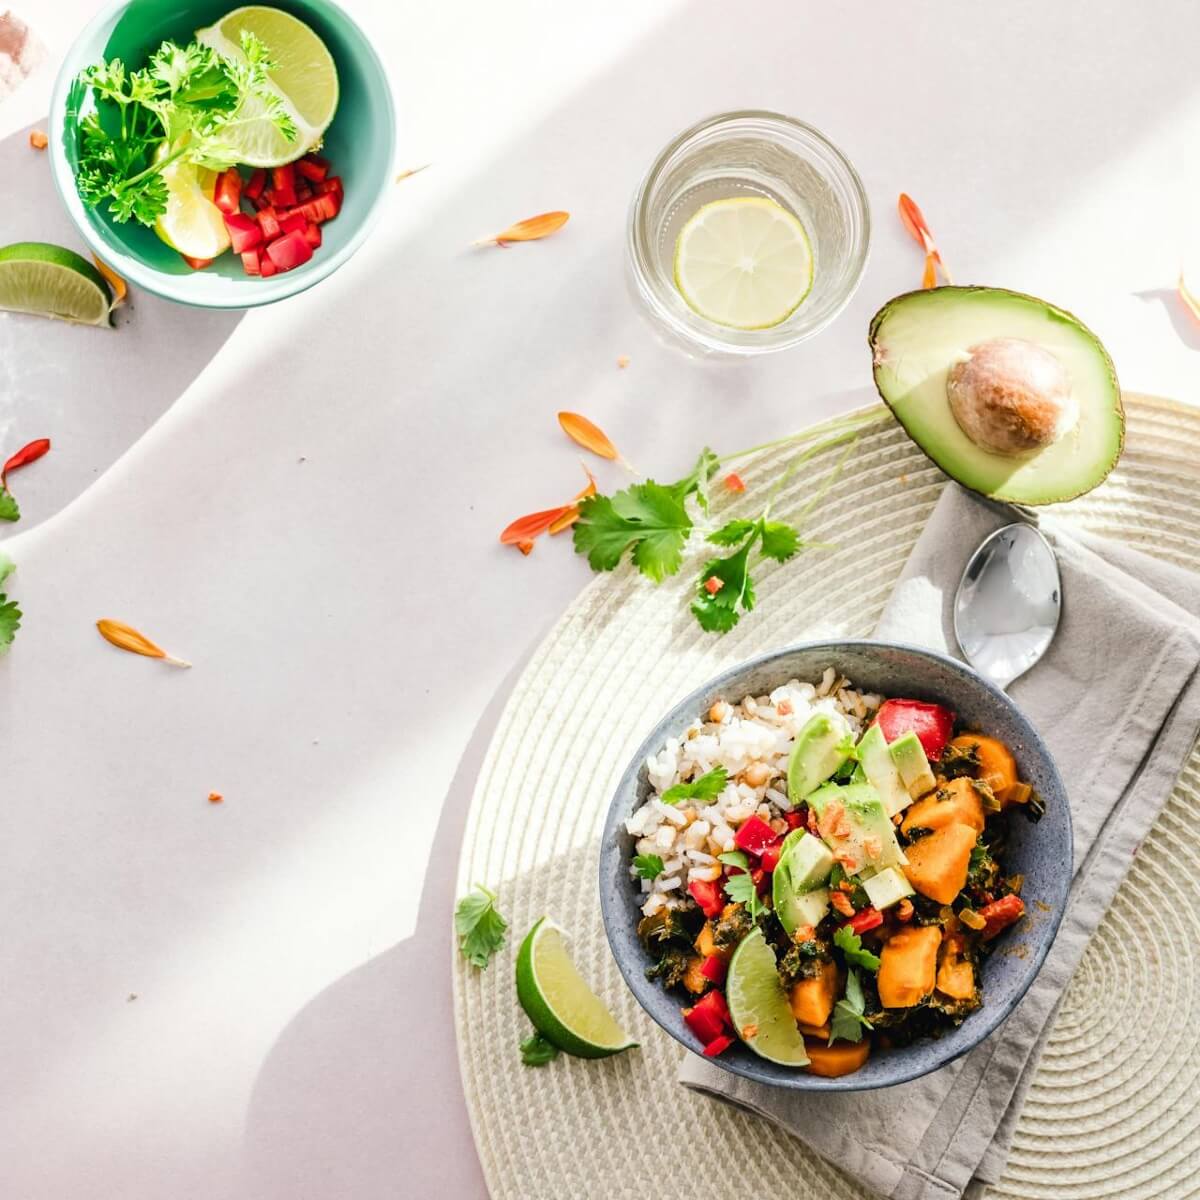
(1115, 1107)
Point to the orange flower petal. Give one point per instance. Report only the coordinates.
(525, 529)
(1189, 297)
(526, 548)
(119, 288)
(125, 637)
(588, 435)
(529, 230)
(918, 227)
(929, 278)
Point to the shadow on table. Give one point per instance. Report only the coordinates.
(331, 1113)
(1182, 322)
(92, 391)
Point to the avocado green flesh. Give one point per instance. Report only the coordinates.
(820, 748)
(882, 773)
(797, 893)
(864, 820)
(918, 337)
(909, 756)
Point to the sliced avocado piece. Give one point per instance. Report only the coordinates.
(855, 827)
(909, 756)
(882, 773)
(796, 885)
(1009, 395)
(822, 745)
(887, 887)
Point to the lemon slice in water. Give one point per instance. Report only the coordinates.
(745, 262)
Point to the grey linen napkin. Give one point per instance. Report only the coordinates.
(1117, 698)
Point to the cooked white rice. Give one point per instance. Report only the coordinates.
(752, 741)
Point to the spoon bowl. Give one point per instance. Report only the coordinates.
(1008, 603)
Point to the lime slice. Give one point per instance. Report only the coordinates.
(192, 223)
(304, 76)
(562, 1007)
(759, 1005)
(745, 263)
(50, 281)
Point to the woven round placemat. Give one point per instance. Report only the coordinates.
(1114, 1110)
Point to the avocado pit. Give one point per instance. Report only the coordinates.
(1011, 396)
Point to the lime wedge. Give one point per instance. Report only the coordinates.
(745, 263)
(562, 1007)
(759, 1005)
(51, 281)
(304, 76)
(192, 223)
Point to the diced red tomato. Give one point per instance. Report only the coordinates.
(312, 234)
(717, 1045)
(867, 918)
(292, 222)
(794, 819)
(708, 1018)
(714, 968)
(266, 268)
(197, 264)
(313, 167)
(754, 835)
(770, 856)
(932, 723)
(255, 184)
(244, 232)
(290, 251)
(228, 194)
(1000, 914)
(708, 894)
(269, 223)
(283, 180)
(250, 262)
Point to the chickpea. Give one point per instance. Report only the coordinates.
(756, 775)
(718, 712)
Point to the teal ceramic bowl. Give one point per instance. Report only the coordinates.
(360, 144)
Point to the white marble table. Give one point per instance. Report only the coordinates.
(304, 501)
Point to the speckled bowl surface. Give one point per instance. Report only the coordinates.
(1040, 851)
(360, 146)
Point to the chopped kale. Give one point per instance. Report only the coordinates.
(671, 968)
(1034, 809)
(666, 927)
(802, 960)
(731, 926)
(959, 760)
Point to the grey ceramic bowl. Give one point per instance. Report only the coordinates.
(1040, 851)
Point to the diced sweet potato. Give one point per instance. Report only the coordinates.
(842, 1058)
(955, 800)
(815, 1031)
(706, 945)
(997, 767)
(955, 975)
(937, 863)
(812, 999)
(694, 978)
(908, 965)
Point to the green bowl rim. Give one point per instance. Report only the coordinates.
(265, 291)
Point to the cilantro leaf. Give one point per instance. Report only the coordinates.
(697, 482)
(707, 788)
(741, 890)
(735, 858)
(717, 611)
(536, 1051)
(779, 541)
(847, 1020)
(850, 944)
(648, 519)
(9, 511)
(7, 566)
(731, 533)
(10, 620)
(648, 866)
(479, 926)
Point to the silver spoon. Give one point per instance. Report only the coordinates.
(1008, 603)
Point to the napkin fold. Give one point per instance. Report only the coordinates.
(1117, 699)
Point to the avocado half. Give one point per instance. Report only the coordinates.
(918, 338)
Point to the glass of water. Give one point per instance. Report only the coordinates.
(746, 155)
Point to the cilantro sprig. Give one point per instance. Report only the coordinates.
(850, 944)
(184, 105)
(741, 890)
(847, 1021)
(10, 614)
(648, 866)
(479, 926)
(9, 509)
(536, 1051)
(706, 788)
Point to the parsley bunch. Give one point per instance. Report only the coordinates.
(10, 614)
(182, 106)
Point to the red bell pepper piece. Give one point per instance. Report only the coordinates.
(228, 194)
(312, 167)
(770, 856)
(304, 191)
(330, 187)
(717, 1045)
(707, 894)
(312, 234)
(269, 222)
(932, 723)
(290, 251)
(292, 222)
(197, 264)
(1000, 914)
(244, 232)
(708, 1018)
(868, 918)
(283, 181)
(250, 262)
(754, 835)
(713, 968)
(266, 268)
(255, 184)
(794, 819)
